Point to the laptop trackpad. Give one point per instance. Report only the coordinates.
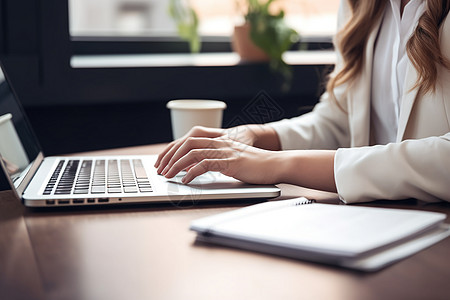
(210, 181)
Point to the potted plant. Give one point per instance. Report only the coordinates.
(263, 37)
(267, 31)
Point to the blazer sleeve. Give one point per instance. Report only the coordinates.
(417, 169)
(327, 126)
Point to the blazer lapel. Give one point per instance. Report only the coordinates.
(360, 100)
(408, 99)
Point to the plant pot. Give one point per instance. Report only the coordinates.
(244, 46)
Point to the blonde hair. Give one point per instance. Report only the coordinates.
(423, 47)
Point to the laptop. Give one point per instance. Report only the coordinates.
(41, 181)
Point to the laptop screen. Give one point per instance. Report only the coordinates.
(18, 145)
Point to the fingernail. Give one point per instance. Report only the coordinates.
(161, 169)
(165, 170)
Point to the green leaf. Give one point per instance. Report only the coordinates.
(186, 20)
(270, 33)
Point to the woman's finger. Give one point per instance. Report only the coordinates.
(168, 155)
(190, 144)
(196, 156)
(164, 152)
(197, 131)
(218, 165)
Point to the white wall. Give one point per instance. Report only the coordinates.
(109, 16)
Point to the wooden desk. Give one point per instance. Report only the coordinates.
(147, 252)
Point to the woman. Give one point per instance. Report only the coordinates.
(383, 125)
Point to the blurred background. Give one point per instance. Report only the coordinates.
(98, 74)
(217, 18)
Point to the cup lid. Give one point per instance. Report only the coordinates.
(196, 104)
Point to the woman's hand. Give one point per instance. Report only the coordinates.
(196, 131)
(261, 136)
(199, 155)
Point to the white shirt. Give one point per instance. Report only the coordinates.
(389, 68)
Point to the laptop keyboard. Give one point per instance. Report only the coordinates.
(98, 177)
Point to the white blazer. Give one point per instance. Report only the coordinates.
(416, 166)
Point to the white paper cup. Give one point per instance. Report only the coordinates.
(187, 113)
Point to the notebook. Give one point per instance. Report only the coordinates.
(355, 237)
(73, 181)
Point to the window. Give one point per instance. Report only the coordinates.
(37, 49)
(217, 17)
